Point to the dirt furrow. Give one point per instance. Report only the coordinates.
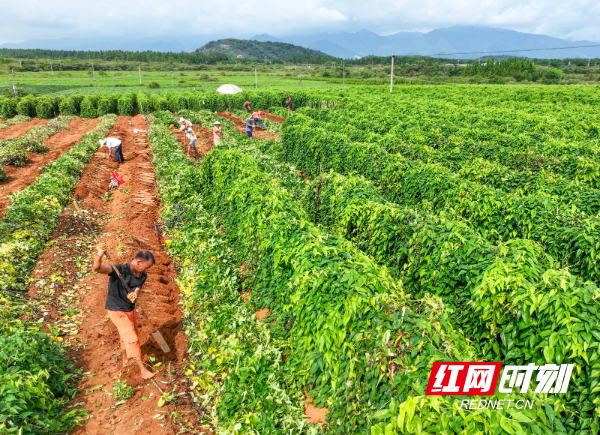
(21, 177)
(20, 129)
(204, 143)
(273, 118)
(241, 126)
(125, 226)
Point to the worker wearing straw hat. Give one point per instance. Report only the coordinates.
(217, 133)
(185, 124)
(114, 147)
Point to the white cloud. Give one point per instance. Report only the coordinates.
(325, 14)
(49, 19)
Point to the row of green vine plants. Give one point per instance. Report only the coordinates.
(351, 335)
(36, 377)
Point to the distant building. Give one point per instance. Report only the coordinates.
(225, 46)
(240, 56)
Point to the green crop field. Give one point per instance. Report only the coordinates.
(71, 82)
(383, 233)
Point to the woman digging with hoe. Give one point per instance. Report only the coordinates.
(121, 304)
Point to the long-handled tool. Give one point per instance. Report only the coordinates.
(156, 334)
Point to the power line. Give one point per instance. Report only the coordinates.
(513, 51)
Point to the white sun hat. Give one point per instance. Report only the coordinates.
(102, 142)
(181, 119)
(217, 123)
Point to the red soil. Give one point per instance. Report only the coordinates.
(261, 314)
(274, 118)
(20, 129)
(315, 415)
(61, 142)
(129, 227)
(241, 127)
(204, 144)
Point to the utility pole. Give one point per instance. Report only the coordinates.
(93, 72)
(343, 74)
(392, 75)
(12, 73)
(52, 69)
(300, 80)
(140, 69)
(255, 79)
(172, 83)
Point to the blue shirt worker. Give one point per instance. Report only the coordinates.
(249, 126)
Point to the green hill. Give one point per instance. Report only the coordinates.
(259, 49)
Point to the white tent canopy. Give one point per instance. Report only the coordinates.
(229, 89)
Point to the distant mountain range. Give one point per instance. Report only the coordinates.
(252, 49)
(456, 39)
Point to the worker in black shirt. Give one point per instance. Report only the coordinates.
(121, 304)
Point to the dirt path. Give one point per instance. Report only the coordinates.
(204, 143)
(241, 127)
(273, 118)
(20, 129)
(125, 226)
(21, 177)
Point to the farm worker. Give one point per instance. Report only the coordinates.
(249, 125)
(256, 116)
(185, 124)
(114, 147)
(121, 305)
(189, 133)
(217, 133)
(289, 102)
(246, 106)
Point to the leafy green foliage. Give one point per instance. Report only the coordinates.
(107, 104)
(89, 106)
(35, 377)
(67, 107)
(122, 391)
(127, 104)
(552, 76)
(47, 107)
(8, 107)
(26, 106)
(236, 364)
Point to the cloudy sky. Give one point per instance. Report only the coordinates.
(50, 19)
